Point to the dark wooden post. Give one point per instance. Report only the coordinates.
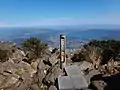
(62, 51)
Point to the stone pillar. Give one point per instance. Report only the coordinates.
(62, 51)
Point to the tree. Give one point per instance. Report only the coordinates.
(35, 47)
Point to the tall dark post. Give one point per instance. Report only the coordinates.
(62, 51)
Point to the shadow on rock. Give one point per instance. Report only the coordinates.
(99, 82)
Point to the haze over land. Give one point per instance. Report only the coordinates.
(75, 36)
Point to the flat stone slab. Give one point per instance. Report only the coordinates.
(72, 70)
(65, 83)
(72, 82)
(79, 82)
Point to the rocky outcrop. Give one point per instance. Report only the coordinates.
(18, 74)
(111, 68)
(13, 75)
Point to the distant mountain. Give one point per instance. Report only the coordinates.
(75, 37)
(97, 34)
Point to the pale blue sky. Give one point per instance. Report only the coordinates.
(58, 12)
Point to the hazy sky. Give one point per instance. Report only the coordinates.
(58, 12)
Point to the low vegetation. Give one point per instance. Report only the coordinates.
(4, 55)
(99, 52)
(34, 47)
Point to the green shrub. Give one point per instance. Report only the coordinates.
(99, 51)
(3, 55)
(35, 47)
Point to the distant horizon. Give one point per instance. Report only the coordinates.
(86, 27)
